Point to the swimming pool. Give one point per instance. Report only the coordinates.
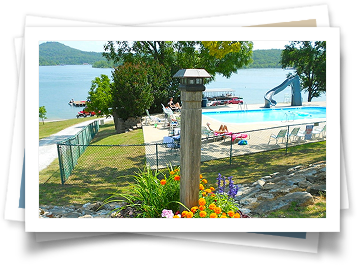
(266, 115)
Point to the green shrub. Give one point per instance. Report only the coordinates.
(152, 192)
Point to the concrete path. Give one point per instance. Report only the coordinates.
(48, 146)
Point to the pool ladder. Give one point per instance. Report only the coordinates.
(288, 115)
(243, 106)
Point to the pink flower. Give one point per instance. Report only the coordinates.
(167, 214)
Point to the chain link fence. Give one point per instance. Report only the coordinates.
(81, 162)
(72, 148)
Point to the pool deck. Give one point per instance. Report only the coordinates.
(156, 135)
(221, 148)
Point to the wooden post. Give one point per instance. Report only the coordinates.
(190, 143)
(191, 86)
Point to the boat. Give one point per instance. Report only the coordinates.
(77, 103)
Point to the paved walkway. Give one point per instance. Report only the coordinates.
(48, 146)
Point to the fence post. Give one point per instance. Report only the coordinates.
(60, 161)
(157, 157)
(230, 152)
(287, 140)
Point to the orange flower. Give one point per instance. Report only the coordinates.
(208, 190)
(213, 215)
(177, 178)
(202, 201)
(201, 187)
(203, 214)
(236, 215)
(204, 193)
(217, 210)
(204, 181)
(201, 207)
(172, 172)
(230, 213)
(189, 215)
(184, 213)
(212, 206)
(163, 182)
(212, 188)
(222, 216)
(201, 176)
(194, 209)
(176, 216)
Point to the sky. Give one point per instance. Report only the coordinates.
(97, 46)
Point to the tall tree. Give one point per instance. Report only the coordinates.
(309, 60)
(131, 91)
(100, 96)
(216, 57)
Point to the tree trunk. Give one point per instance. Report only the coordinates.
(115, 118)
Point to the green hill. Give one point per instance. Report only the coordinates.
(266, 59)
(55, 53)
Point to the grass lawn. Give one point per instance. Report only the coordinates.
(104, 170)
(50, 128)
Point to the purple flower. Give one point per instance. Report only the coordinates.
(233, 189)
(219, 179)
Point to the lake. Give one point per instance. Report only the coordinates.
(59, 84)
(252, 84)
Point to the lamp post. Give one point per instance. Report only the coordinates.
(191, 86)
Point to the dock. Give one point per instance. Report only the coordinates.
(78, 103)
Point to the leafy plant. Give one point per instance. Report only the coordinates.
(157, 195)
(151, 192)
(42, 113)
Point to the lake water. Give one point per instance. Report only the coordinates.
(59, 84)
(252, 84)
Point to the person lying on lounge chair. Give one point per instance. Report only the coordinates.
(173, 106)
(222, 129)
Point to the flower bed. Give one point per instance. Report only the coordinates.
(212, 203)
(157, 195)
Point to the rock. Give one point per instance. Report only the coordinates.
(259, 182)
(72, 215)
(86, 216)
(88, 210)
(304, 184)
(301, 198)
(279, 191)
(265, 196)
(317, 189)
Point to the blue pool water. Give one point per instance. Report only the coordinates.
(266, 115)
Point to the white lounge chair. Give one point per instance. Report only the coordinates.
(281, 134)
(294, 133)
(152, 120)
(307, 134)
(319, 131)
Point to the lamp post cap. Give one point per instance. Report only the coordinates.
(185, 73)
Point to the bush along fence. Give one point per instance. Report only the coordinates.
(109, 161)
(72, 148)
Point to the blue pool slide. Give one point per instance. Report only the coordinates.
(294, 83)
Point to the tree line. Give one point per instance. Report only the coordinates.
(55, 53)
